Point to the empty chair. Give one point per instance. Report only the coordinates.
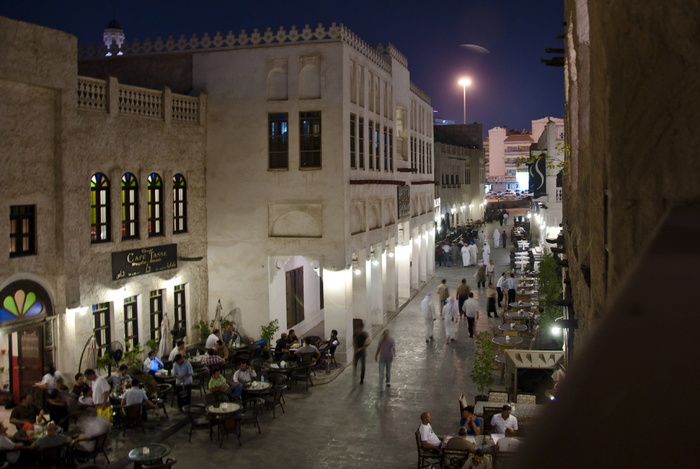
(498, 396)
(276, 399)
(453, 458)
(251, 410)
(526, 398)
(489, 412)
(198, 418)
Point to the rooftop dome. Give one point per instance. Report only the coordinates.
(114, 24)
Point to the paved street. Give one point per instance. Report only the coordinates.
(344, 424)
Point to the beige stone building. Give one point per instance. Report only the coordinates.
(320, 186)
(104, 199)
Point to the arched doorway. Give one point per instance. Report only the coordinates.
(26, 336)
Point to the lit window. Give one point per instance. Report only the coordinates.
(310, 139)
(99, 209)
(180, 308)
(155, 205)
(278, 141)
(353, 141)
(179, 204)
(361, 143)
(130, 207)
(22, 230)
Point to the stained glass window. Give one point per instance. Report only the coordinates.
(179, 204)
(100, 226)
(130, 206)
(155, 205)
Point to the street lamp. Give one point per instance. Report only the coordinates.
(464, 82)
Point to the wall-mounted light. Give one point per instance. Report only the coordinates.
(356, 268)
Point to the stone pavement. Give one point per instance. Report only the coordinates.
(343, 424)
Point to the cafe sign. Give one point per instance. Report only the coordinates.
(142, 261)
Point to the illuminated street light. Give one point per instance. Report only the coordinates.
(464, 82)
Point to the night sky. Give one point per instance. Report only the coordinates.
(510, 84)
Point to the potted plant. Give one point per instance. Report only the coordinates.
(132, 356)
(104, 362)
(484, 362)
(549, 276)
(268, 331)
(152, 345)
(203, 329)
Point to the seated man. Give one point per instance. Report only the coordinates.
(135, 396)
(179, 349)
(477, 461)
(221, 350)
(470, 421)
(428, 438)
(211, 340)
(218, 384)
(26, 413)
(281, 351)
(52, 438)
(292, 337)
(90, 427)
(152, 363)
(321, 364)
(242, 376)
(80, 388)
(119, 378)
(504, 420)
(460, 442)
(508, 444)
(230, 336)
(9, 447)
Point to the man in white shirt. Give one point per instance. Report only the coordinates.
(428, 438)
(100, 394)
(179, 349)
(211, 340)
(243, 375)
(7, 446)
(512, 287)
(501, 289)
(504, 420)
(152, 363)
(471, 310)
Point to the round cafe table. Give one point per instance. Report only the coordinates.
(221, 409)
(517, 304)
(149, 454)
(256, 387)
(516, 327)
(507, 340)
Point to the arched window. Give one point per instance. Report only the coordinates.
(130, 206)
(100, 226)
(155, 205)
(179, 204)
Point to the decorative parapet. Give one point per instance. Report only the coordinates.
(394, 53)
(420, 93)
(336, 32)
(113, 97)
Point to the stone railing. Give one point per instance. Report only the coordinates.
(231, 41)
(420, 93)
(112, 97)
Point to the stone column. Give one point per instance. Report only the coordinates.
(337, 295)
(391, 286)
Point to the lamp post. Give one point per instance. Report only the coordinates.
(464, 82)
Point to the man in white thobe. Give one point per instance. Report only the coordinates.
(465, 255)
(496, 238)
(426, 308)
(472, 254)
(486, 254)
(448, 319)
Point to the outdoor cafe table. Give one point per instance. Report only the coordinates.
(517, 316)
(256, 387)
(152, 453)
(221, 409)
(517, 304)
(485, 443)
(516, 327)
(507, 340)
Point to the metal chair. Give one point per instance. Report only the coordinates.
(163, 391)
(100, 442)
(425, 456)
(230, 424)
(251, 410)
(170, 462)
(53, 456)
(303, 372)
(453, 458)
(198, 418)
(276, 399)
(489, 412)
(131, 417)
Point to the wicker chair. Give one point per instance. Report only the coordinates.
(252, 408)
(198, 418)
(453, 458)
(489, 412)
(131, 417)
(100, 442)
(526, 398)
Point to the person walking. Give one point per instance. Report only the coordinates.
(465, 255)
(472, 253)
(386, 349)
(490, 270)
(502, 289)
(496, 238)
(491, 301)
(504, 238)
(512, 287)
(443, 292)
(462, 295)
(481, 275)
(448, 319)
(426, 308)
(360, 342)
(471, 309)
(486, 253)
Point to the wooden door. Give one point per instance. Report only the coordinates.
(30, 358)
